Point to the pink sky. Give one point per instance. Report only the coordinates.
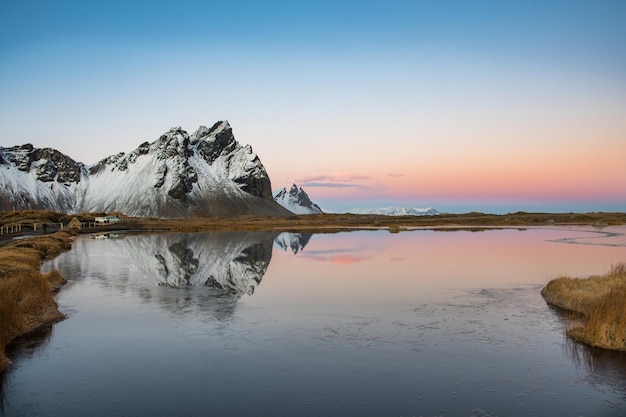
(568, 168)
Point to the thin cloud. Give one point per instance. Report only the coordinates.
(319, 252)
(338, 259)
(331, 185)
(339, 180)
(342, 178)
(395, 174)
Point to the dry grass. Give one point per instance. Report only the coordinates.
(341, 222)
(599, 304)
(26, 300)
(320, 222)
(38, 216)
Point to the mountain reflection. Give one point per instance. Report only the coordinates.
(294, 241)
(233, 263)
(204, 273)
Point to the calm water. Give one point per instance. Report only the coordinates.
(419, 323)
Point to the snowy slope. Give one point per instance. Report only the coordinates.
(396, 211)
(39, 179)
(297, 201)
(206, 173)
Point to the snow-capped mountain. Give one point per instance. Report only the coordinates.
(396, 211)
(206, 173)
(296, 200)
(32, 178)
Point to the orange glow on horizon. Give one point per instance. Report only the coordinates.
(549, 176)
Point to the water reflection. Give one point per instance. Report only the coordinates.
(366, 323)
(602, 367)
(233, 264)
(23, 348)
(168, 269)
(294, 241)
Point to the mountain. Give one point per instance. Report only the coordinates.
(396, 211)
(297, 201)
(177, 175)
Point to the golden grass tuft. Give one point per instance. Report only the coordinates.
(54, 279)
(26, 300)
(18, 259)
(26, 303)
(600, 305)
(605, 323)
(48, 246)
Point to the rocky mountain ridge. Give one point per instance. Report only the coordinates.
(177, 175)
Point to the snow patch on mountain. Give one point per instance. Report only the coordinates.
(297, 201)
(396, 211)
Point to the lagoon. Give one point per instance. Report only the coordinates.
(368, 323)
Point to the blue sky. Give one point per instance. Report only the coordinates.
(461, 105)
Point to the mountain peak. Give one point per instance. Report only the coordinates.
(204, 133)
(296, 201)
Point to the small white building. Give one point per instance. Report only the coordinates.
(107, 219)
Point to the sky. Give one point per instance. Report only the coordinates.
(472, 105)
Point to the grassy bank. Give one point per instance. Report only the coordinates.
(26, 300)
(598, 306)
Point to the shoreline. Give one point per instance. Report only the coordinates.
(30, 219)
(27, 301)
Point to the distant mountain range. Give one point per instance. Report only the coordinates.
(297, 201)
(396, 211)
(177, 175)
